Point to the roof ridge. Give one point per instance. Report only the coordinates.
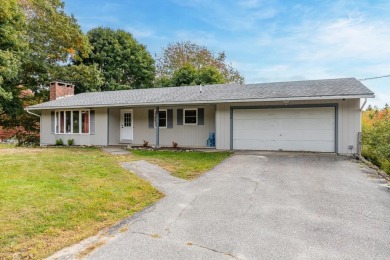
(296, 81)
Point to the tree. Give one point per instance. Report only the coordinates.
(124, 63)
(209, 75)
(178, 55)
(188, 75)
(184, 76)
(376, 137)
(11, 44)
(54, 37)
(86, 78)
(42, 39)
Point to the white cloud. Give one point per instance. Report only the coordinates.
(93, 21)
(230, 15)
(140, 32)
(282, 72)
(347, 46)
(349, 38)
(381, 88)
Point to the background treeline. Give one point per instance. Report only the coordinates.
(40, 43)
(376, 136)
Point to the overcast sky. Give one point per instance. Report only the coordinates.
(266, 41)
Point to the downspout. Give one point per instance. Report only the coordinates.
(157, 127)
(359, 137)
(364, 103)
(108, 126)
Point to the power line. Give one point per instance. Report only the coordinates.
(384, 76)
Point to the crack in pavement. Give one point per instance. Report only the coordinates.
(252, 194)
(214, 250)
(146, 234)
(168, 229)
(189, 244)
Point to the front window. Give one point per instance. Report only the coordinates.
(68, 123)
(190, 116)
(60, 117)
(162, 118)
(85, 122)
(76, 122)
(72, 122)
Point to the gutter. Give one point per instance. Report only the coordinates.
(206, 102)
(31, 113)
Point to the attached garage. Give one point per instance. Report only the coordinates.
(288, 129)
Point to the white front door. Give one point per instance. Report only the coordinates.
(126, 125)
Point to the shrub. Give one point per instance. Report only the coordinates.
(27, 138)
(59, 142)
(70, 142)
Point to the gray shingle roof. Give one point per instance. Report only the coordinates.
(308, 89)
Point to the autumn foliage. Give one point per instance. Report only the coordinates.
(376, 137)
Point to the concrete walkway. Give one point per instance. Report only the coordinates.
(115, 150)
(259, 206)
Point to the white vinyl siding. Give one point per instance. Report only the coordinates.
(99, 138)
(184, 135)
(348, 124)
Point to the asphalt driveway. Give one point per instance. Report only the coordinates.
(261, 206)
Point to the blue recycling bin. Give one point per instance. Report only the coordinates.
(211, 140)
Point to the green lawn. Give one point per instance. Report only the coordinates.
(186, 165)
(6, 146)
(53, 197)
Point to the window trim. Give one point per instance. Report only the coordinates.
(184, 116)
(56, 121)
(166, 118)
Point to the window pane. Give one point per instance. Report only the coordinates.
(190, 116)
(76, 122)
(61, 121)
(162, 118)
(127, 119)
(57, 122)
(85, 122)
(163, 122)
(68, 122)
(191, 113)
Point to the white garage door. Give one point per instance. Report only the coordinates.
(288, 129)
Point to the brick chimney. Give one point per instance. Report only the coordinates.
(60, 90)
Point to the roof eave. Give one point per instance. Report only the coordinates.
(368, 95)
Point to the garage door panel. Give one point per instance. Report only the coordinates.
(319, 146)
(292, 129)
(288, 113)
(295, 135)
(275, 124)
